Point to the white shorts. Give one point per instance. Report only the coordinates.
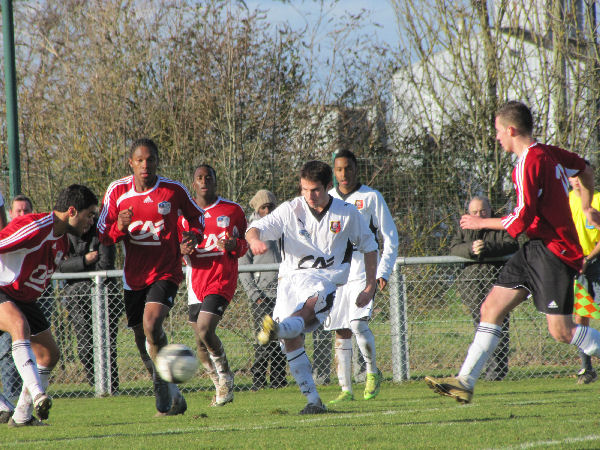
(344, 308)
(293, 291)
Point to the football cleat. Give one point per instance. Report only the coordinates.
(42, 405)
(314, 408)
(450, 387)
(179, 406)
(345, 396)
(224, 391)
(373, 385)
(269, 331)
(32, 422)
(586, 376)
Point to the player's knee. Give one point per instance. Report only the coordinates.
(359, 327)
(560, 334)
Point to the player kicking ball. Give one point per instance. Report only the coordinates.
(318, 233)
(546, 265)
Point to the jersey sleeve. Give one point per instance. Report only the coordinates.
(108, 232)
(360, 234)
(526, 179)
(193, 214)
(389, 232)
(271, 226)
(17, 235)
(241, 246)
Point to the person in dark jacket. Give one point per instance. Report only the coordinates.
(87, 254)
(261, 288)
(476, 280)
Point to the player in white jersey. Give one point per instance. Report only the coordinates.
(347, 318)
(318, 233)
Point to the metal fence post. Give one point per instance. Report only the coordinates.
(398, 330)
(101, 340)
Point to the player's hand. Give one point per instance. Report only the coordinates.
(477, 246)
(124, 219)
(188, 242)
(257, 246)
(584, 266)
(469, 222)
(364, 298)
(381, 283)
(593, 217)
(91, 257)
(228, 244)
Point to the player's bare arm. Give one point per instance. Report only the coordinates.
(586, 180)
(469, 222)
(368, 292)
(257, 246)
(124, 219)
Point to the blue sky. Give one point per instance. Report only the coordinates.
(381, 12)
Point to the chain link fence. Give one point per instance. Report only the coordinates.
(422, 326)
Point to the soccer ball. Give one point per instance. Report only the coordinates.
(176, 363)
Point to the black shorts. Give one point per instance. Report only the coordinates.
(544, 275)
(212, 303)
(35, 317)
(162, 292)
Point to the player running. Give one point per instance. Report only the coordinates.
(318, 233)
(31, 246)
(141, 211)
(545, 266)
(347, 318)
(211, 277)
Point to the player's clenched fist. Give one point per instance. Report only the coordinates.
(124, 219)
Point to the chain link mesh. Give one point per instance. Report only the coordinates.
(441, 302)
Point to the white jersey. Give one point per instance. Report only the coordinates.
(372, 206)
(319, 243)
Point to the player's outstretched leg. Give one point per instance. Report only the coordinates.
(450, 387)
(269, 331)
(366, 343)
(226, 377)
(343, 356)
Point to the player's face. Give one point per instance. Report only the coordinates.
(81, 221)
(144, 163)
(205, 184)
(479, 208)
(265, 209)
(20, 208)
(314, 193)
(345, 173)
(503, 135)
(574, 181)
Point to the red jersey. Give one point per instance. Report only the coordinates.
(29, 253)
(543, 211)
(151, 243)
(210, 270)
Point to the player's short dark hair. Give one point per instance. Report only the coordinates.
(76, 195)
(346, 154)
(317, 171)
(517, 115)
(207, 167)
(144, 142)
(22, 198)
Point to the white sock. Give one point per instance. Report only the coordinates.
(291, 327)
(366, 343)
(484, 343)
(220, 362)
(26, 365)
(343, 356)
(44, 376)
(587, 339)
(302, 372)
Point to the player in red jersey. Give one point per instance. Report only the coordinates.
(546, 265)
(212, 276)
(141, 212)
(31, 246)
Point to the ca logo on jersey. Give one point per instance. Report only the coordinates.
(38, 277)
(140, 231)
(310, 262)
(335, 226)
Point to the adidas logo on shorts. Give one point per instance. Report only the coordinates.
(552, 305)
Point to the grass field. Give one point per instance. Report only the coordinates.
(539, 413)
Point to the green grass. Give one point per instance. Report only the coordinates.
(539, 413)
